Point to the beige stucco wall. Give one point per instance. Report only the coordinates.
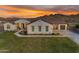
(42, 24)
(12, 27)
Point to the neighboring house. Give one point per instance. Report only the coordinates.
(42, 26)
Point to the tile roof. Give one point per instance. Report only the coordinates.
(51, 20)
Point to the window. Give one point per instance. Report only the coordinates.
(39, 28)
(8, 26)
(46, 28)
(62, 27)
(33, 28)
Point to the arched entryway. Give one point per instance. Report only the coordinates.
(22, 27)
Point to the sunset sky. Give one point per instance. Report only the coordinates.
(31, 11)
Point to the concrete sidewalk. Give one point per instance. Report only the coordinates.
(72, 35)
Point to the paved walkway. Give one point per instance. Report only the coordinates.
(74, 36)
(19, 35)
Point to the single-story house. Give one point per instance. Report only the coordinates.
(40, 26)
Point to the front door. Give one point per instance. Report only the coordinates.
(23, 27)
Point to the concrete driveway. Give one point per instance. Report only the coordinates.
(74, 36)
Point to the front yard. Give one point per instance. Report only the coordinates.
(11, 43)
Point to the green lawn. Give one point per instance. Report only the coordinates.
(12, 43)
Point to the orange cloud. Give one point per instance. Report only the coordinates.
(7, 11)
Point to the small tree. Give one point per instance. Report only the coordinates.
(77, 26)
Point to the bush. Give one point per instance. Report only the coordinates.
(77, 26)
(55, 33)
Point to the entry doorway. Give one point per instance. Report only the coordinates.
(22, 24)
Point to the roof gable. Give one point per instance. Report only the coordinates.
(41, 22)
